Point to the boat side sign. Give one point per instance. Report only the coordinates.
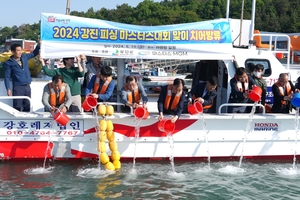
(40, 128)
(110, 39)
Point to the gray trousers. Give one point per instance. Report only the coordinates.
(76, 104)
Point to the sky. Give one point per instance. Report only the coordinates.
(18, 12)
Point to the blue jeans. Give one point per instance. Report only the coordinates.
(22, 90)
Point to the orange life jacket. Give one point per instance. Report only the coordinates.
(135, 93)
(169, 96)
(204, 107)
(288, 90)
(62, 94)
(104, 86)
(239, 84)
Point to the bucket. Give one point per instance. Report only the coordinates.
(296, 100)
(255, 93)
(141, 113)
(61, 118)
(89, 103)
(279, 55)
(195, 108)
(165, 125)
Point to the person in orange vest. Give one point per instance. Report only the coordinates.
(205, 93)
(171, 100)
(133, 93)
(283, 90)
(101, 85)
(240, 84)
(57, 95)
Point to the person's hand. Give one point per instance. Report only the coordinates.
(233, 57)
(39, 43)
(160, 117)
(9, 92)
(174, 119)
(78, 58)
(245, 95)
(200, 99)
(82, 56)
(64, 109)
(135, 105)
(52, 109)
(94, 95)
(145, 105)
(296, 90)
(190, 102)
(287, 98)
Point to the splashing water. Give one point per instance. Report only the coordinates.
(201, 117)
(248, 130)
(136, 138)
(171, 143)
(95, 115)
(38, 170)
(296, 137)
(93, 173)
(48, 144)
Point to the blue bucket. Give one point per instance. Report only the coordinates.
(296, 100)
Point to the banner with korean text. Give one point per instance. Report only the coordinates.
(67, 36)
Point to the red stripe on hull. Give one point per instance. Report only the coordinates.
(23, 150)
(80, 154)
(151, 130)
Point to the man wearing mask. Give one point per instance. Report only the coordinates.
(260, 82)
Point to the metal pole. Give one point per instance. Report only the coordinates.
(68, 7)
(241, 23)
(227, 9)
(120, 80)
(252, 19)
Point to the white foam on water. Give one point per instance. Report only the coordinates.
(176, 175)
(287, 171)
(229, 169)
(38, 170)
(93, 173)
(205, 169)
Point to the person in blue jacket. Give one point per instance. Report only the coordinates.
(17, 69)
(101, 85)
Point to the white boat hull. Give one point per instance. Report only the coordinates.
(270, 136)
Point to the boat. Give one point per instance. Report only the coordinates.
(227, 136)
(159, 74)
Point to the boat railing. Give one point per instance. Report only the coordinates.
(241, 104)
(19, 97)
(276, 50)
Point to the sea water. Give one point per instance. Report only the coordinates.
(82, 180)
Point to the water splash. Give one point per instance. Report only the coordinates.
(248, 130)
(95, 115)
(229, 169)
(38, 170)
(93, 173)
(201, 117)
(171, 143)
(136, 138)
(296, 137)
(286, 171)
(48, 143)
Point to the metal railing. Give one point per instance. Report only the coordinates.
(19, 97)
(241, 104)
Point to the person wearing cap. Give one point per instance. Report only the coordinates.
(205, 93)
(16, 69)
(133, 93)
(171, 100)
(101, 85)
(283, 92)
(57, 95)
(70, 74)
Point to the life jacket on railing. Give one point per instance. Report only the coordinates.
(104, 86)
(204, 107)
(168, 99)
(135, 93)
(62, 95)
(288, 91)
(239, 84)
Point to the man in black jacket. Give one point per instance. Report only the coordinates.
(240, 84)
(205, 93)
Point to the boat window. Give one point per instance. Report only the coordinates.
(264, 62)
